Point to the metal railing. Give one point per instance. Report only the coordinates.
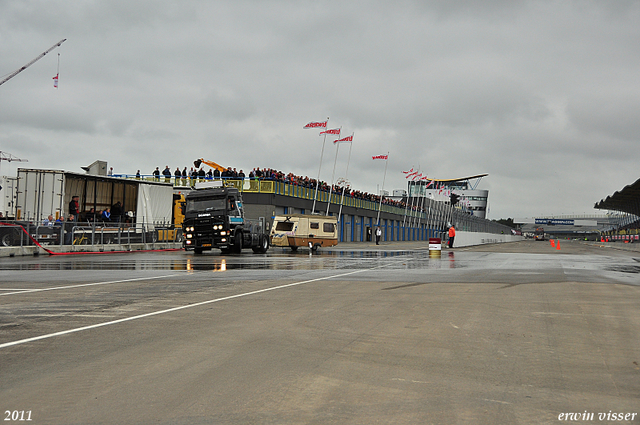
(79, 235)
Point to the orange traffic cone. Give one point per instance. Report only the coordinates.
(552, 243)
(558, 245)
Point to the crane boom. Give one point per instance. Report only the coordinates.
(201, 161)
(40, 56)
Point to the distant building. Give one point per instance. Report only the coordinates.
(470, 199)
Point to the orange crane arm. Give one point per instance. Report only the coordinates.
(201, 161)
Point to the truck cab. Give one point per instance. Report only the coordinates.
(214, 218)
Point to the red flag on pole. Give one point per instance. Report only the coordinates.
(346, 139)
(332, 131)
(55, 81)
(313, 124)
(380, 157)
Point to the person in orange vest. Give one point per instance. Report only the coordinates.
(452, 236)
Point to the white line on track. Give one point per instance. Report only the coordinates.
(170, 310)
(28, 291)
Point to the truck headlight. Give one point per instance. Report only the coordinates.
(223, 233)
(189, 235)
(188, 242)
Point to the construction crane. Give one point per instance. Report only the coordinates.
(19, 70)
(6, 156)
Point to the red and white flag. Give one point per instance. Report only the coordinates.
(417, 177)
(411, 174)
(380, 157)
(332, 131)
(430, 183)
(408, 172)
(55, 81)
(313, 124)
(346, 139)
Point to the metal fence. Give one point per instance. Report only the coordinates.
(79, 235)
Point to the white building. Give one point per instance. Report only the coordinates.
(469, 198)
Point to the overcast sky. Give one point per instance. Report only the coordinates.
(544, 96)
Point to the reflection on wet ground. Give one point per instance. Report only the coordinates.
(216, 262)
(519, 263)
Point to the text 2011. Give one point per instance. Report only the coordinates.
(17, 415)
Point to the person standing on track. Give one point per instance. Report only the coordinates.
(452, 236)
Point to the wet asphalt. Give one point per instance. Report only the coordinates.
(496, 334)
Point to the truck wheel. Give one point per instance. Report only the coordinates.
(263, 245)
(237, 242)
(10, 237)
(315, 247)
(197, 251)
(293, 248)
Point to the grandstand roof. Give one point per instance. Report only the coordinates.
(461, 179)
(626, 200)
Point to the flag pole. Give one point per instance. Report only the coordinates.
(346, 176)
(382, 191)
(406, 204)
(422, 196)
(333, 173)
(413, 198)
(315, 196)
(58, 71)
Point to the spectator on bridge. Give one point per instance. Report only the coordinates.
(167, 174)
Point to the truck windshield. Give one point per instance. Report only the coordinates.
(202, 205)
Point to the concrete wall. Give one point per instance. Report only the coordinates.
(472, 238)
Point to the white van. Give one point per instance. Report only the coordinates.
(312, 231)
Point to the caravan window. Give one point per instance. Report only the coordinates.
(315, 225)
(284, 226)
(328, 228)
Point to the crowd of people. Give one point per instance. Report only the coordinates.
(189, 177)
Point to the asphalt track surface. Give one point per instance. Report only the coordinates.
(517, 333)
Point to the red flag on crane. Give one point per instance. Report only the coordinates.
(55, 81)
